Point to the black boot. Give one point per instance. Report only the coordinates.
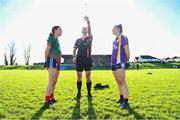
(125, 104)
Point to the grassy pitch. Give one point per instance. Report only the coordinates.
(152, 96)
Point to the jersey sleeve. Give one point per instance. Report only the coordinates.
(124, 41)
(76, 44)
(50, 41)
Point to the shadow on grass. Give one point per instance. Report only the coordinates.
(91, 112)
(76, 112)
(135, 114)
(39, 113)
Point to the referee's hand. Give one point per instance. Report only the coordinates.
(74, 60)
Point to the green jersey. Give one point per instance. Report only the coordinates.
(55, 51)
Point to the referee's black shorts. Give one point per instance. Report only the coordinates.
(83, 64)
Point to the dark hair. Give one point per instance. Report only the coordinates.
(120, 28)
(53, 29)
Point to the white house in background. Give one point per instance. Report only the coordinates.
(146, 58)
(165, 59)
(174, 59)
(136, 59)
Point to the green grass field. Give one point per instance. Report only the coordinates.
(155, 96)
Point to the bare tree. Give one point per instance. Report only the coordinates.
(27, 54)
(5, 59)
(12, 52)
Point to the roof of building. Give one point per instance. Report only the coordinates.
(136, 58)
(175, 57)
(147, 57)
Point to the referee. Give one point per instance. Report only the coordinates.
(82, 58)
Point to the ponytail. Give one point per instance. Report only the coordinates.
(51, 34)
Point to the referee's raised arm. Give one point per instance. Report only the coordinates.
(86, 18)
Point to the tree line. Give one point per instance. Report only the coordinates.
(10, 54)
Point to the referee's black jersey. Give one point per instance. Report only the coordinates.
(84, 47)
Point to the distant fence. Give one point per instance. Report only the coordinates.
(132, 65)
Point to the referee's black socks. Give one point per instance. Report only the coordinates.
(79, 84)
(88, 84)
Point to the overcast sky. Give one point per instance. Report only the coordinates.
(152, 26)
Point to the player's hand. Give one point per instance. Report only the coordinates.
(128, 64)
(45, 64)
(86, 18)
(74, 60)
